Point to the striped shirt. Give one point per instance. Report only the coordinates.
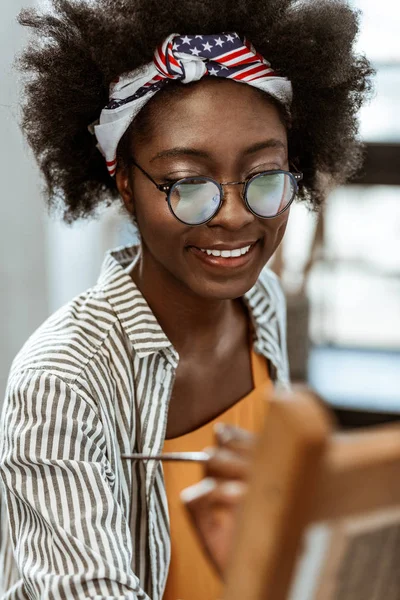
(92, 383)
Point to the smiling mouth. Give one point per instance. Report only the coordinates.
(235, 253)
(236, 257)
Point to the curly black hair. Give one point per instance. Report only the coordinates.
(82, 46)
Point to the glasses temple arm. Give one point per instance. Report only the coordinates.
(158, 186)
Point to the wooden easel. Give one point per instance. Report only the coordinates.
(305, 473)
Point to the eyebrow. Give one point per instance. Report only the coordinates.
(264, 145)
(174, 152)
(182, 151)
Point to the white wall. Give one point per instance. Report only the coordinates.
(74, 254)
(23, 289)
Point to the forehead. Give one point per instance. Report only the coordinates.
(213, 113)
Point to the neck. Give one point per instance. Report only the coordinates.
(191, 323)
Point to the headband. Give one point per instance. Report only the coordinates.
(184, 58)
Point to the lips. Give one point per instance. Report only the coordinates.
(224, 246)
(235, 253)
(222, 255)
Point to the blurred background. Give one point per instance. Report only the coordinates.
(341, 272)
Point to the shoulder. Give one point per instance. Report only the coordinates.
(66, 342)
(267, 304)
(267, 297)
(269, 284)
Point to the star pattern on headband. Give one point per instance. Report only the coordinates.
(212, 44)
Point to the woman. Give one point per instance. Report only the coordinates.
(206, 139)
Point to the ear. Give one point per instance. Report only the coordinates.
(125, 187)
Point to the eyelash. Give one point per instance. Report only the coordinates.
(167, 181)
(170, 181)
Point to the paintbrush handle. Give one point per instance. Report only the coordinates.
(171, 456)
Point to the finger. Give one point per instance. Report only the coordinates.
(227, 464)
(211, 492)
(212, 506)
(226, 433)
(234, 438)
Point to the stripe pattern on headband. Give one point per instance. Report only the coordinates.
(184, 58)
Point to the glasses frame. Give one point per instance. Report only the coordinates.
(167, 189)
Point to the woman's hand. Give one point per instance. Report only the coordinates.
(213, 503)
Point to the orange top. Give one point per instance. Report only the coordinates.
(191, 576)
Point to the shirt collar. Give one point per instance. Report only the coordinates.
(132, 310)
(146, 334)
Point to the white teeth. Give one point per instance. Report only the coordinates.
(227, 253)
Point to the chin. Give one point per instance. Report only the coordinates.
(223, 290)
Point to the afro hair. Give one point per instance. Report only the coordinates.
(80, 47)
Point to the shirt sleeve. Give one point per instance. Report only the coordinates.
(69, 534)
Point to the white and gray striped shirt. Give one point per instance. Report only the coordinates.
(94, 382)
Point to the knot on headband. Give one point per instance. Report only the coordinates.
(187, 59)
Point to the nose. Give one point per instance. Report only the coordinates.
(233, 214)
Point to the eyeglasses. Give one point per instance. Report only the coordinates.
(196, 200)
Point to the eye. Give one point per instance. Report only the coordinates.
(169, 181)
(258, 172)
(192, 181)
(174, 176)
(263, 169)
(255, 173)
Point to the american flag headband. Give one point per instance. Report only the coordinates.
(184, 58)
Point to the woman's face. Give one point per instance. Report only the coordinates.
(220, 129)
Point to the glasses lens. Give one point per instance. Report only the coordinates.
(194, 200)
(270, 194)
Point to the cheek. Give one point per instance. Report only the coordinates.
(148, 201)
(151, 208)
(161, 233)
(280, 232)
(274, 232)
